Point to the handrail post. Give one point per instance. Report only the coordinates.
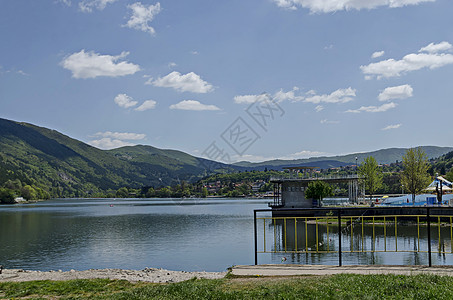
(339, 238)
(429, 236)
(256, 237)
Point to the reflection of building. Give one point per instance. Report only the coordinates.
(289, 190)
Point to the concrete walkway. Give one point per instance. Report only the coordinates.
(297, 270)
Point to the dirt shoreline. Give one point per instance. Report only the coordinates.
(147, 275)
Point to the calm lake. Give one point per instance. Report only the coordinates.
(175, 234)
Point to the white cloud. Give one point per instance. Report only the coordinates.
(111, 140)
(249, 99)
(108, 143)
(22, 73)
(194, 52)
(410, 62)
(91, 65)
(338, 96)
(304, 154)
(259, 158)
(287, 4)
(189, 82)
(377, 54)
(193, 105)
(148, 104)
(277, 97)
(396, 92)
(290, 95)
(121, 135)
(142, 15)
(325, 121)
(435, 48)
(373, 109)
(88, 5)
(13, 71)
(65, 2)
(125, 101)
(396, 126)
(318, 108)
(328, 6)
(172, 64)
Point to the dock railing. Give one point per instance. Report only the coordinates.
(353, 230)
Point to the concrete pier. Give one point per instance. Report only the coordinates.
(318, 270)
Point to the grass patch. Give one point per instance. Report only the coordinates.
(343, 286)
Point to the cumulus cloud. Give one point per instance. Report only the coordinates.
(396, 92)
(142, 15)
(189, 82)
(89, 5)
(326, 121)
(108, 143)
(297, 155)
(91, 65)
(328, 6)
(428, 57)
(435, 48)
(277, 97)
(318, 108)
(125, 101)
(120, 135)
(396, 126)
(338, 96)
(193, 105)
(377, 54)
(249, 99)
(110, 140)
(65, 2)
(304, 154)
(373, 109)
(287, 4)
(290, 95)
(148, 104)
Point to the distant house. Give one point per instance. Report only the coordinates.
(257, 185)
(19, 200)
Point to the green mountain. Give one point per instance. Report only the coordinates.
(67, 167)
(384, 156)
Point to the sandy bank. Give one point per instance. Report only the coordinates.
(148, 275)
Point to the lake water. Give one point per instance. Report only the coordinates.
(189, 234)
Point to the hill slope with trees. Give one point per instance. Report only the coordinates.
(65, 167)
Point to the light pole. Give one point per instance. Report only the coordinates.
(356, 187)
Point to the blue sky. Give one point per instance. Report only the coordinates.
(232, 80)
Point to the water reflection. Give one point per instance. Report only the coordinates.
(127, 234)
(383, 243)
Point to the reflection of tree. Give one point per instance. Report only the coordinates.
(410, 241)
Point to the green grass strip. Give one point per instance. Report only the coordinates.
(343, 286)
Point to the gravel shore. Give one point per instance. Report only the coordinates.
(148, 275)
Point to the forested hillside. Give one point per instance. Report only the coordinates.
(64, 167)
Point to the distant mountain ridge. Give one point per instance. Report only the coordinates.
(383, 156)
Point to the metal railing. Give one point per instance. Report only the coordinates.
(369, 230)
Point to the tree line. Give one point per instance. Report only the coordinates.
(13, 189)
(413, 172)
